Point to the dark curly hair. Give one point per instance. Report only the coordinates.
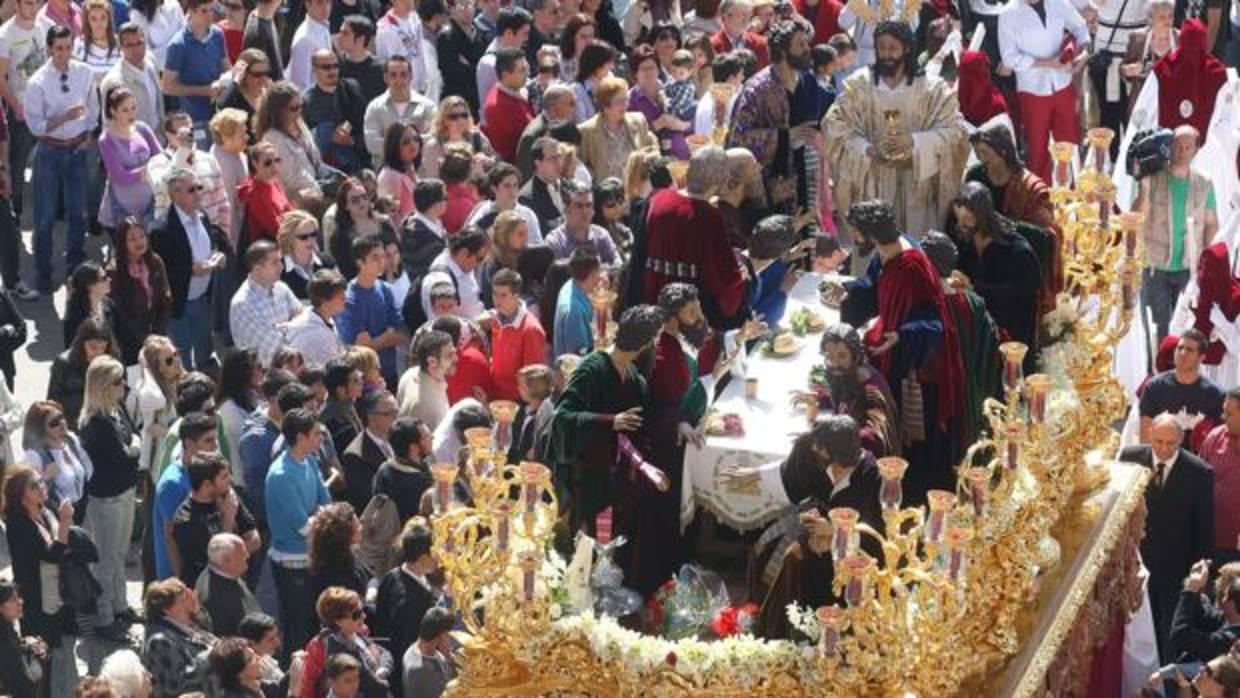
(331, 538)
(875, 219)
(639, 326)
(846, 334)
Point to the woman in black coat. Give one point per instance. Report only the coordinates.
(23, 661)
(68, 378)
(38, 543)
(140, 287)
(88, 295)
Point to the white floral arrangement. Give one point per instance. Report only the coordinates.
(1060, 323)
(744, 656)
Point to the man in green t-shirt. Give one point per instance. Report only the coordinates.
(1180, 221)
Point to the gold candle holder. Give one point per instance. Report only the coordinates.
(1131, 223)
(505, 413)
(1062, 153)
(891, 117)
(958, 538)
(444, 475)
(1014, 434)
(830, 620)
(529, 561)
(502, 514)
(1013, 364)
(891, 492)
(856, 569)
(979, 489)
(940, 503)
(478, 438)
(603, 298)
(1106, 199)
(1039, 385)
(844, 536)
(534, 477)
(1100, 148)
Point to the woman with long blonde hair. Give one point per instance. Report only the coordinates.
(110, 440)
(510, 235)
(453, 124)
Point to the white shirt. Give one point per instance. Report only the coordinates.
(466, 287)
(1023, 39)
(315, 337)
(1136, 18)
(485, 77)
(423, 396)
(394, 35)
(45, 99)
(257, 316)
(25, 50)
(527, 214)
(704, 117)
(200, 251)
(311, 36)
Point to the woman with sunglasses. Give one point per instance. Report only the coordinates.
(299, 244)
(402, 156)
(343, 617)
(247, 93)
(279, 122)
(610, 212)
(262, 195)
(89, 286)
(453, 124)
(353, 216)
(38, 542)
(57, 454)
(153, 395)
(140, 286)
(110, 440)
(67, 381)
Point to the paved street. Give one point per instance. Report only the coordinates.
(34, 360)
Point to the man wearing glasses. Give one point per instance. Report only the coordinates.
(192, 251)
(336, 114)
(61, 109)
(136, 70)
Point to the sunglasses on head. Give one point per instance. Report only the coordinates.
(458, 116)
(64, 82)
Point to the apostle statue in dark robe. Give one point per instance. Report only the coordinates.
(900, 301)
(847, 384)
(597, 419)
(826, 469)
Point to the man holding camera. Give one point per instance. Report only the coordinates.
(1180, 220)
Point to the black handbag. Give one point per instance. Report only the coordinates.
(79, 589)
(1101, 59)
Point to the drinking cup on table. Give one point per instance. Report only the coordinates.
(751, 387)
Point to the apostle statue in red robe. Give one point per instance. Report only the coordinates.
(900, 302)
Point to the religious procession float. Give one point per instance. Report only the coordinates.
(1012, 584)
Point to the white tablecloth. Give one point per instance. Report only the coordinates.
(770, 425)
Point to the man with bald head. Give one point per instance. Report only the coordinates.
(335, 111)
(221, 588)
(1179, 524)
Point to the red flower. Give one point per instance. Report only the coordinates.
(671, 659)
(725, 623)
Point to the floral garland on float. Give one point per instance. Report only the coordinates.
(943, 606)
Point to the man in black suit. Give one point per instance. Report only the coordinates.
(542, 193)
(221, 588)
(559, 108)
(405, 594)
(369, 449)
(1179, 525)
(192, 250)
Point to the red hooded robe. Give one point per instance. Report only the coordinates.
(980, 100)
(1189, 79)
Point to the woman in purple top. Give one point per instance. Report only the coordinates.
(647, 97)
(125, 147)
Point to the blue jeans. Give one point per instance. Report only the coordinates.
(59, 172)
(191, 333)
(21, 142)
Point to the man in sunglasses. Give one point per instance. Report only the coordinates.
(336, 113)
(62, 107)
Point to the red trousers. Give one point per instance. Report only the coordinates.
(1043, 116)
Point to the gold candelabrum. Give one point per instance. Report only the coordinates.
(937, 609)
(722, 92)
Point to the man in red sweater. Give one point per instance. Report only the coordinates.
(507, 110)
(685, 241)
(517, 338)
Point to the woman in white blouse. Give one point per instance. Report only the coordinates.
(98, 46)
(279, 123)
(56, 453)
